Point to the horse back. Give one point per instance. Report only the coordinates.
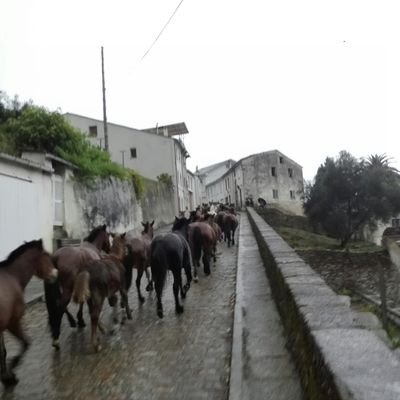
(206, 231)
(106, 275)
(70, 260)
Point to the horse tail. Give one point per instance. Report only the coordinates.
(81, 292)
(197, 243)
(159, 266)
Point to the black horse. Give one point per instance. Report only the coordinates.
(171, 252)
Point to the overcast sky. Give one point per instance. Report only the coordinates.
(309, 78)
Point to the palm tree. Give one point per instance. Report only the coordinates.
(381, 161)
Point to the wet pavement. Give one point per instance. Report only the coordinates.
(183, 356)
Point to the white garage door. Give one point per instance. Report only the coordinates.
(19, 213)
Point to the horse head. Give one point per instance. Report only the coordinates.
(148, 229)
(100, 238)
(181, 225)
(119, 245)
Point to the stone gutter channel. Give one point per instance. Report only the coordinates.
(336, 357)
(261, 366)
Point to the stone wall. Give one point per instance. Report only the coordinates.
(335, 356)
(114, 202)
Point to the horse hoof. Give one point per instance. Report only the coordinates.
(195, 279)
(149, 287)
(56, 344)
(179, 309)
(129, 316)
(141, 299)
(72, 324)
(160, 314)
(10, 379)
(183, 295)
(81, 324)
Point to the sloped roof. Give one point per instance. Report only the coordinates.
(173, 129)
(206, 170)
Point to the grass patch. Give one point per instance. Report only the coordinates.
(299, 239)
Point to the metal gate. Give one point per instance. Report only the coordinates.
(19, 213)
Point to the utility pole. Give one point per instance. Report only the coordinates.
(104, 103)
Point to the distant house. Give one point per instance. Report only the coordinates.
(151, 152)
(270, 175)
(214, 171)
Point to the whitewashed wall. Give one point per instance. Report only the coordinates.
(26, 206)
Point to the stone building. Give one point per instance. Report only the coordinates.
(151, 152)
(270, 175)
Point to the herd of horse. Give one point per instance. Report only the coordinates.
(101, 268)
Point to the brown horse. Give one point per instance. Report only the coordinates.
(15, 273)
(69, 261)
(210, 219)
(202, 239)
(139, 257)
(229, 225)
(101, 279)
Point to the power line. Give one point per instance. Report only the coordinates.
(162, 30)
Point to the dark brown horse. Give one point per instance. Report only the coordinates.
(202, 240)
(171, 251)
(101, 279)
(229, 225)
(15, 273)
(139, 257)
(69, 261)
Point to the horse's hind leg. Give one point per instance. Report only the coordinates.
(158, 273)
(95, 306)
(140, 271)
(233, 237)
(206, 261)
(113, 302)
(79, 316)
(125, 302)
(18, 332)
(176, 286)
(7, 376)
(149, 286)
(71, 319)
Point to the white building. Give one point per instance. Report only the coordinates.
(150, 152)
(270, 175)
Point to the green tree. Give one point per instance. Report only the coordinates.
(29, 127)
(348, 194)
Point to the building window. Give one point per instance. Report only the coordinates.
(133, 152)
(280, 160)
(290, 172)
(273, 171)
(275, 193)
(292, 195)
(396, 222)
(93, 131)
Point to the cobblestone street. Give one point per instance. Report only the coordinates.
(179, 357)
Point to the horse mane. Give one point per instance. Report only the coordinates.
(94, 233)
(21, 250)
